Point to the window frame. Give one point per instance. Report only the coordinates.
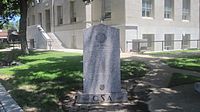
(186, 11)
(148, 8)
(40, 21)
(33, 19)
(73, 17)
(186, 41)
(150, 40)
(169, 10)
(59, 15)
(106, 11)
(169, 45)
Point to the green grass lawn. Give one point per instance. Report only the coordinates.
(183, 59)
(177, 53)
(46, 77)
(43, 79)
(132, 69)
(178, 79)
(188, 63)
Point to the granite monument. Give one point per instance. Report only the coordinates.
(101, 64)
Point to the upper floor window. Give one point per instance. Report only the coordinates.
(59, 15)
(72, 12)
(33, 19)
(40, 19)
(106, 9)
(147, 8)
(186, 10)
(28, 21)
(169, 9)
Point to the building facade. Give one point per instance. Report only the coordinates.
(163, 24)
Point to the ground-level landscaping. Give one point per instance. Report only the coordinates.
(184, 59)
(178, 79)
(187, 63)
(177, 53)
(44, 78)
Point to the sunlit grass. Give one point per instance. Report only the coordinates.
(43, 78)
(178, 79)
(183, 59)
(177, 53)
(188, 63)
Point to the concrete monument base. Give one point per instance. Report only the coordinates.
(83, 98)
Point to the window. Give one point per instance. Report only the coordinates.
(28, 21)
(169, 9)
(186, 41)
(33, 19)
(59, 15)
(147, 8)
(169, 42)
(72, 12)
(186, 10)
(106, 9)
(150, 39)
(40, 19)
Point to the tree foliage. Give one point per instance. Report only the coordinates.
(9, 25)
(8, 9)
(11, 8)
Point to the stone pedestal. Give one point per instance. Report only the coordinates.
(120, 97)
(101, 59)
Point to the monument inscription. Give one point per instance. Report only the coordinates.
(101, 59)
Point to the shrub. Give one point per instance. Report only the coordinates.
(8, 57)
(4, 45)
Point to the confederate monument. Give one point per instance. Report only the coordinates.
(102, 78)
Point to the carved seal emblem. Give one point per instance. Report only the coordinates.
(101, 38)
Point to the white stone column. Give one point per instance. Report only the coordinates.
(88, 10)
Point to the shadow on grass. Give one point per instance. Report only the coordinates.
(51, 81)
(132, 69)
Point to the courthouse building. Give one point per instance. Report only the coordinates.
(161, 24)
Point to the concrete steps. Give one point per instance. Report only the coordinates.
(55, 42)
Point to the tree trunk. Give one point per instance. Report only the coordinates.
(23, 25)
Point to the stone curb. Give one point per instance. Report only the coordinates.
(8, 104)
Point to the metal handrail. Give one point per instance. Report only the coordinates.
(163, 45)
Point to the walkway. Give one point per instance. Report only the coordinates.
(163, 99)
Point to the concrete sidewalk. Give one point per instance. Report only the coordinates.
(69, 50)
(163, 99)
